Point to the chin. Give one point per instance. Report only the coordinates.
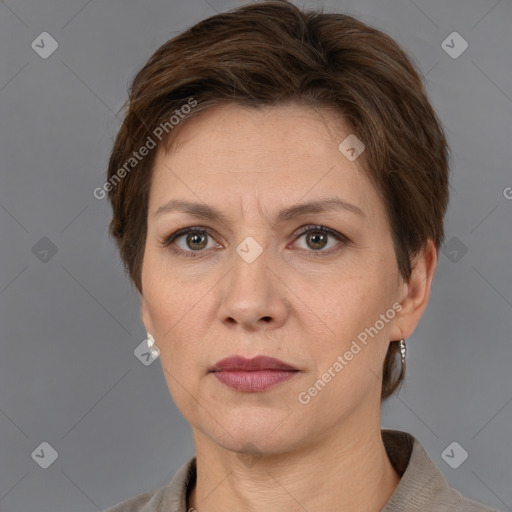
(256, 433)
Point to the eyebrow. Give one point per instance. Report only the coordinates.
(210, 213)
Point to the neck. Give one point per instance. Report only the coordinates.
(347, 470)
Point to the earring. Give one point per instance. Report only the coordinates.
(151, 345)
(403, 351)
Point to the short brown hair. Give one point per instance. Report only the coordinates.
(271, 53)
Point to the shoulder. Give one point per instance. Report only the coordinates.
(170, 497)
(146, 502)
(452, 500)
(422, 486)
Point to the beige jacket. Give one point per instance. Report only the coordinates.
(422, 487)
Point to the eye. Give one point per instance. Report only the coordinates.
(317, 237)
(195, 239)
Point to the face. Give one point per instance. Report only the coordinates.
(253, 283)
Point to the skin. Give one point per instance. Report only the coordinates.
(305, 310)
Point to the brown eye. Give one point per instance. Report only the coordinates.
(316, 240)
(196, 240)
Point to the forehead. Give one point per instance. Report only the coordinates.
(271, 151)
(277, 129)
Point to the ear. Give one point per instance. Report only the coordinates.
(145, 316)
(415, 293)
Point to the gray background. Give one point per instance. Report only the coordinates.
(70, 320)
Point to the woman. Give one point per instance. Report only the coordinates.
(278, 189)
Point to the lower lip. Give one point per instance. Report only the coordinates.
(252, 381)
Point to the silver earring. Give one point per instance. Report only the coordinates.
(403, 351)
(151, 345)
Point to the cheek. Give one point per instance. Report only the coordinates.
(170, 300)
(350, 309)
(172, 321)
(346, 299)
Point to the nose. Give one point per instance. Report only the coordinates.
(253, 296)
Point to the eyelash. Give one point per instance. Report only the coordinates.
(166, 242)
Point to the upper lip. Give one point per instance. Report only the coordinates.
(256, 363)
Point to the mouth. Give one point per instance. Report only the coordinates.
(252, 375)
